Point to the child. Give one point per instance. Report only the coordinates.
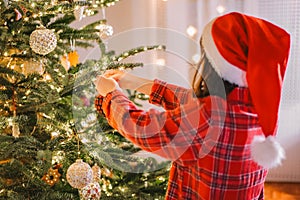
(221, 143)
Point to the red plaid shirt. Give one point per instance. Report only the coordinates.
(207, 139)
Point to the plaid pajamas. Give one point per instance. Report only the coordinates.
(207, 139)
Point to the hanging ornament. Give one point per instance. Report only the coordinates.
(73, 55)
(15, 130)
(106, 172)
(42, 41)
(24, 10)
(96, 173)
(31, 67)
(18, 14)
(79, 174)
(105, 30)
(90, 192)
(51, 177)
(85, 101)
(73, 58)
(64, 60)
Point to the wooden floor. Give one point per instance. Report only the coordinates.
(282, 191)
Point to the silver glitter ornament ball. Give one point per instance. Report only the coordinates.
(42, 41)
(79, 174)
(105, 30)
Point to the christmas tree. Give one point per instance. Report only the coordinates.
(53, 145)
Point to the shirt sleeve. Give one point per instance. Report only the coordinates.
(169, 96)
(179, 135)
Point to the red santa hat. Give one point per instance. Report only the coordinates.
(253, 53)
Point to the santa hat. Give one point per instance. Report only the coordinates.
(253, 53)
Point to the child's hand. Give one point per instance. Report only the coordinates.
(106, 85)
(115, 74)
(129, 81)
(125, 80)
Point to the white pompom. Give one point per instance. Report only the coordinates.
(267, 152)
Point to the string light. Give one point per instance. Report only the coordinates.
(221, 8)
(161, 62)
(196, 58)
(191, 31)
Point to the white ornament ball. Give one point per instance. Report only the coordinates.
(105, 30)
(79, 174)
(42, 41)
(91, 192)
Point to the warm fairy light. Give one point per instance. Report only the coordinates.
(220, 9)
(89, 12)
(33, 5)
(161, 178)
(196, 58)
(47, 77)
(9, 120)
(122, 189)
(146, 184)
(160, 47)
(54, 134)
(5, 53)
(161, 62)
(191, 31)
(27, 92)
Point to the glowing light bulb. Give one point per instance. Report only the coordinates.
(196, 58)
(161, 62)
(220, 9)
(191, 31)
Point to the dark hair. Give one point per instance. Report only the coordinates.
(210, 82)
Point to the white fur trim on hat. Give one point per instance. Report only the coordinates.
(267, 152)
(225, 70)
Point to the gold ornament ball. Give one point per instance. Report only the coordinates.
(79, 174)
(31, 67)
(42, 41)
(96, 172)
